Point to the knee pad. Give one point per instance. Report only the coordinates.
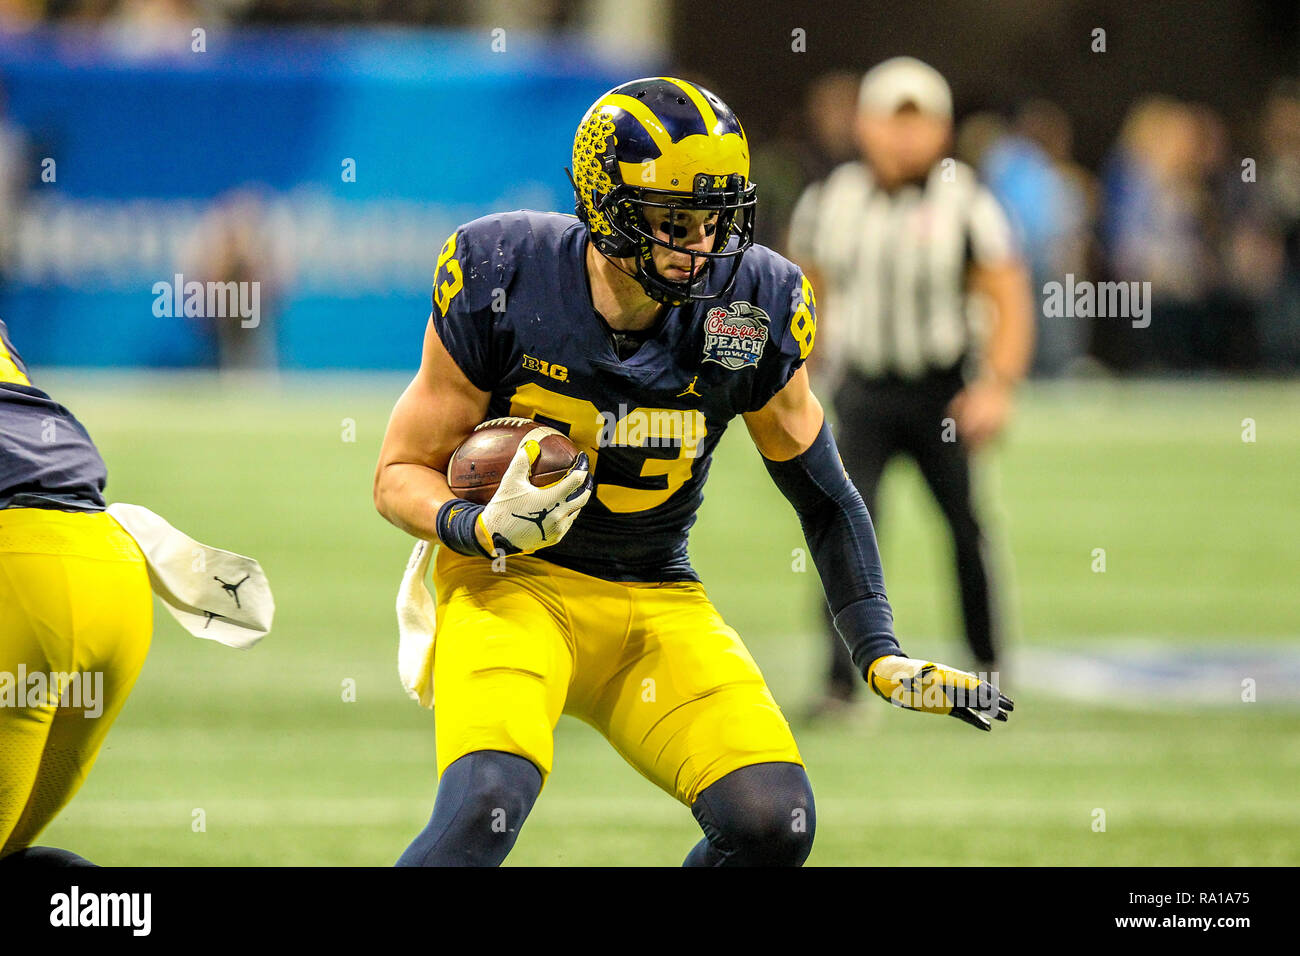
(761, 815)
(483, 800)
(498, 788)
(44, 858)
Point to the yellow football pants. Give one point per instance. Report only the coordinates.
(653, 667)
(74, 599)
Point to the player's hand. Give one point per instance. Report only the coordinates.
(521, 517)
(938, 689)
(981, 411)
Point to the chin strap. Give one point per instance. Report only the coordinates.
(656, 294)
(663, 296)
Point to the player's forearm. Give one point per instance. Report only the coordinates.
(842, 540)
(409, 496)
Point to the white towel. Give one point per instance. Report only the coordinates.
(214, 594)
(416, 623)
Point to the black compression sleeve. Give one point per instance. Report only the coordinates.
(843, 544)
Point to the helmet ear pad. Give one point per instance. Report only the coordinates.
(622, 241)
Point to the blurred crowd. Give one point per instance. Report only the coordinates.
(1205, 210)
(1213, 224)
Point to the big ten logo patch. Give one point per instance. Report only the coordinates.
(558, 372)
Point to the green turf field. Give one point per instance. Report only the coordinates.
(1200, 533)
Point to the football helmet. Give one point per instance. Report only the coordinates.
(658, 145)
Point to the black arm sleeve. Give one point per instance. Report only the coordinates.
(843, 544)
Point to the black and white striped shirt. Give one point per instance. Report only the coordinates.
(893, 266)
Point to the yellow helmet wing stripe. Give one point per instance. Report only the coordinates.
(676, 170)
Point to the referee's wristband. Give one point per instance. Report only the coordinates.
(455, 525)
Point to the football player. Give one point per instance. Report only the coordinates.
(75, 599)
(639, 328)
(76, 611)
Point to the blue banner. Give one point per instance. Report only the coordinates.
(320, 169)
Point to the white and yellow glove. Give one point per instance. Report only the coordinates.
(938, 689)
(522, 518)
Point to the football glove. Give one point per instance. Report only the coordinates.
(938, 689)
(522, 518)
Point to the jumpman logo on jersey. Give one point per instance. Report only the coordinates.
(233, 589)
(537, 517)
(210, 615)
(690, 389)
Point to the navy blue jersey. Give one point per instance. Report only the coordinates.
(46, 458)
(512, 305)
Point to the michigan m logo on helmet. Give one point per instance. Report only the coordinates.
(662, 143)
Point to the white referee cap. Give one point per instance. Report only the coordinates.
(891, 85)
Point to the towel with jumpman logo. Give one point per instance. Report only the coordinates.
(216, 595)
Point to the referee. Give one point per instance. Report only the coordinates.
(926, 309)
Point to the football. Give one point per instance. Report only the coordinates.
(477, 465)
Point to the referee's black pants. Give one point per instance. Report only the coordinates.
(880, 418)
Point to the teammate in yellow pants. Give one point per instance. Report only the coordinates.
(76, 601)
(76, 611)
